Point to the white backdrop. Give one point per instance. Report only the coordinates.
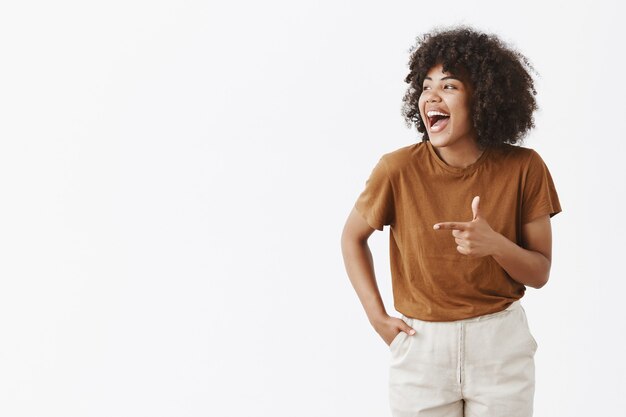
(175, 177)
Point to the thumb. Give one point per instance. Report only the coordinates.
(408, 329)
(475, 210)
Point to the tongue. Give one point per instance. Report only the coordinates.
(440, 123)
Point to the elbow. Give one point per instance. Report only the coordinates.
(349, 239)
(543, 280)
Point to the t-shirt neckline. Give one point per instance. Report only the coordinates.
(457, 170)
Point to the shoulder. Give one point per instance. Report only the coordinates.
(522, 163)
(515, 155)
(402, 158)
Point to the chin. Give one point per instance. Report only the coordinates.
(440, 140)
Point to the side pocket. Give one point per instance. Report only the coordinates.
(532, 338)
(535, 342)
(396, 339)
(528, 332)
(399, 336)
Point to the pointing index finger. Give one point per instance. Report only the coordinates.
(448, 225)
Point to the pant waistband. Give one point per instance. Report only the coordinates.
(515, 305)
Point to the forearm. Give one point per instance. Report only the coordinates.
(359, 265)
(524, 266)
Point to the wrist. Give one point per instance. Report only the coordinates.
(377, 318)
(499, 244)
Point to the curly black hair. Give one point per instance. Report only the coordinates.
(503, 101)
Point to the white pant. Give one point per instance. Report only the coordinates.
(478, 367)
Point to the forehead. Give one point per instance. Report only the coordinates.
(436, 70)
(436, 73)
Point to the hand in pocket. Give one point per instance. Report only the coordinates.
(390, 327)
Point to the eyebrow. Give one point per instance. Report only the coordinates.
(444, 78)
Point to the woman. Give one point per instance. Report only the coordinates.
(469, 213)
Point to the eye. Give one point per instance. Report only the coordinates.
(450, 85)
(425, 87)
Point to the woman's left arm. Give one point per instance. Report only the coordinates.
(530, 264)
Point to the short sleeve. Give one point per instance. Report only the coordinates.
(539, 193)
(376, 203)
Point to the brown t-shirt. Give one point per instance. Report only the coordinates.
(412, 188)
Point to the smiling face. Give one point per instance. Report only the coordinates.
(448, 94)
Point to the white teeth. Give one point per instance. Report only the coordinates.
(431, 113)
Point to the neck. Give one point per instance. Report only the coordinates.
(461, 154)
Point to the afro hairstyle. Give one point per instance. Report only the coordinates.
(503, 99)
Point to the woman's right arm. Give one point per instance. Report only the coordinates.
(359, 265)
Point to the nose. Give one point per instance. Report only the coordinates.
(431, 96)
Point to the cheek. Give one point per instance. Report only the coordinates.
(463, 112)
(465, 122)
(421, 101)
(420, 105)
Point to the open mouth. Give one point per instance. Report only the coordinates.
(438, 122)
